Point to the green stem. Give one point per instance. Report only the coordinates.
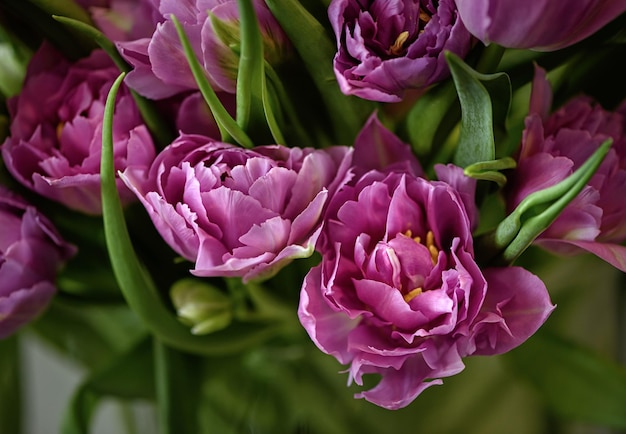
(250, 76)
(289, 110)
(177, 390)
(10, 386)
(490, 59)
(226, 124)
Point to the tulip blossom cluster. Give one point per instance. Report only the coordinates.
(402, 281)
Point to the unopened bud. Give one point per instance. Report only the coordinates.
(202, 306)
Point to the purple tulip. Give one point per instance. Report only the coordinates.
(556, 145)
(238, 212)
(31, 253)
(387, 47)
(546, 25)
(398, 292)
(56, 130)
(160, 66)
(126, 20)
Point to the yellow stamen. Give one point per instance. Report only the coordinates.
(59, 130)
(424, 16)
(396, 48)
(430, 244)
(412, 294)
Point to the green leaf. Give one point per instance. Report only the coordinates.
(15, 56)
(137, 285)
(128, 375)
(10, 386)
(544, 206)
(82, 406)
(317, 51)
(226, 124)
(577, 384)
(154, 121)
(32, 21)
(490, 170)
(66, 8)
(432, 118)
(476, 142)
(75, 331)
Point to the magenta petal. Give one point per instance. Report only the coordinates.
(377, 148)
(516, 305)
(22, 306)
(614, 254)
(398, 388)
(327, 328)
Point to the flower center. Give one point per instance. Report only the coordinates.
(397, 47)
(412, 294)
(434, 256)
(425, 17)
(430, 244)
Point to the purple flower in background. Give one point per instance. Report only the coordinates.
(556, 145)
(398, 292)
(125, 20)
(238, 212)
(31, 253)
(545, 25)
(387, 47)
(160, 67)
(56, 130)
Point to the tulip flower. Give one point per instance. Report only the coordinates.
(160, 67)
(398, 292)
(56, 130)
(545, 25)
(238, 212)
(389, 47)
(31, 254)
(555, 145)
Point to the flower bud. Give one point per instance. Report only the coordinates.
(203, 307)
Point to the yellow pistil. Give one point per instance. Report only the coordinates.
(396, 48)
(59, 130)
(412, 294)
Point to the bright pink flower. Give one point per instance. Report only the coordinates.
(239, 212)
(56, 130)
(544, 25)
(31, 253)
(552, 148)
(387, 47)
(398, 292)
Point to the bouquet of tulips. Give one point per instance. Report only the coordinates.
(229, 209)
